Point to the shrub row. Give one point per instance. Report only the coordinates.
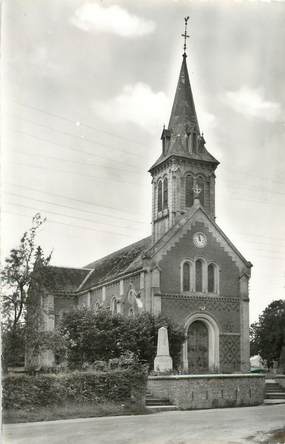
(122, 385)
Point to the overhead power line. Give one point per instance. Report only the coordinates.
(111, 178)
(72, 217)
(83, 124)
(262, 235)
(77, 173)
(91, 153)
(275, 252)
(73, 208)
(247, 188)
(81, 138)
(95, 204)
(75, 200)
(78, 162)
(81, 227)
(256, 176)
(263, 257)
(87, 125)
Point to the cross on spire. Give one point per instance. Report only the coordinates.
(185, 35)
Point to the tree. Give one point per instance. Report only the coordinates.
(267, 336)
(24, 268)
(18, 273)
(102, 336)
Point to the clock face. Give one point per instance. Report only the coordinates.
(200, 240)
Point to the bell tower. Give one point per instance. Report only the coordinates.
(185, 169)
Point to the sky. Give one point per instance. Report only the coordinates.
(86, 89)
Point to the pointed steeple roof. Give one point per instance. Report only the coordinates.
(182, 138)
(183, 115)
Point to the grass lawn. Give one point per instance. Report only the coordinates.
(69, 411)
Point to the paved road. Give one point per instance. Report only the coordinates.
(217, 426)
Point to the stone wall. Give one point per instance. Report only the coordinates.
(190, 392)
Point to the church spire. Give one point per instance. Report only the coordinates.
(183, 118)
(182, 138)
(183, 115)
(183, 176)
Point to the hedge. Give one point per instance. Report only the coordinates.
(120, 385)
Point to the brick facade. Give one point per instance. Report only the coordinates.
(170, 264)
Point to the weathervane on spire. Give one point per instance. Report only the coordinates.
(185, 35)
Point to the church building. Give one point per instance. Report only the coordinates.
(187, 269)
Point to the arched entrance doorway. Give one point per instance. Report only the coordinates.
(198, 347)
(201, 348)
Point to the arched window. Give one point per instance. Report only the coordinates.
(159, 196)
(114, 306)
(199, 275)
(186, 277)
(213, 278)
(165, 193)
(189, 191)
(201, 185)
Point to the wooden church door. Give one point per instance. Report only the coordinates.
(198, 347)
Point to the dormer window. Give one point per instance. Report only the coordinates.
(194, 142)
(165, 137)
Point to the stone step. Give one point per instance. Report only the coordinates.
(161, 408)
(274, 401)
(277, 395)
(277, 389)
(157, 401)
(274, 389)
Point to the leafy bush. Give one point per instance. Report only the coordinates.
(267, 336)
(102, 336)
(25, 391)
(13, 347)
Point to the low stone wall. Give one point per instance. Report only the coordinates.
(189, 392)
(280, 379)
